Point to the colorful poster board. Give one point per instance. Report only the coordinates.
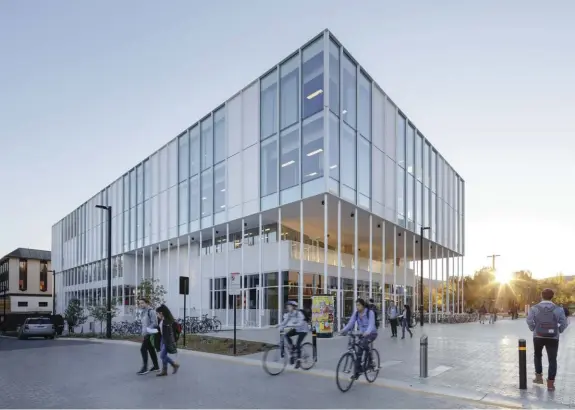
(322, 314)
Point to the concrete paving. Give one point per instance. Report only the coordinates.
(83, 374)
(468, 357)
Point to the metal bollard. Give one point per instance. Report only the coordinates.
(423, 357)
(522, 364)
(314, 343)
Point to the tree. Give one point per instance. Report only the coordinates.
(100, 313)
(152, 290)
(74, 315)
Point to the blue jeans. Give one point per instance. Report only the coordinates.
(164, 356)
(404, 326)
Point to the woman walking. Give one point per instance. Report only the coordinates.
(167, 339)
(406, 321)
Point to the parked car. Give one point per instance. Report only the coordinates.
(37, 327)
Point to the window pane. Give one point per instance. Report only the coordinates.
(400, 141)
(173, 209)
(147, 179)
(333, 77)
(132, 188)
(348, 111)
(194, 195)
(390, 199)
(207, 193)
(269, 167)
(400, 189)
(364, 109)
(140, 224)
(184, 152)
(140, 184)
(268, 101)
(173, 163)
(154, 175)
(347, 163)
(426, 164)
(195, 150)
(312, 79)
(289, 148)
(312, 136)
(163, 169)
(147, 218)
(220, 188)
(334, 147)
(364, 166)
(433, 175)
(410, 146)
(207, 143)
(418, 157)
(184, 202)
(410, 200)
(289, 93)
(219, 135)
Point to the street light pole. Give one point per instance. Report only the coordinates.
(423, 228)
(53, 291)
(108, 210)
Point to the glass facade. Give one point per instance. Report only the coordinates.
(311, 118)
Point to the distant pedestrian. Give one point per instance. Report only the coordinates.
(406, 321)
(482, 313)
(393, 314)
(546, 320)
(167, 340)
(149, 326)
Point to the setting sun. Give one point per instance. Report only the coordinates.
(502, 277)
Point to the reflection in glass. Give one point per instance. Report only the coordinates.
(289, 83)
(219, 188)
(334, 147)
(184, 153)
(333, 77)
(289, 149)
(364, 107)
(195, 150)
(207, 143)
(219, 135)
(349, 97)
(364, 166)
(347, 161)
(312, 136)
(400, 141)
(269, 167)
(194, 198)
(268, 105)
(207, 193)
(312, 94)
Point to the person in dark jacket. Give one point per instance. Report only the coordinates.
(167, 339)
(406, 321)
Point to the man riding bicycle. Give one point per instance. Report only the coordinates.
(365, 319)
(295, 320)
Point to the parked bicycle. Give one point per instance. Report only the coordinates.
(275, 358)
(346, 365)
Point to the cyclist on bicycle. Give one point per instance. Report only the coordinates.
(365, 319)
(295, 320)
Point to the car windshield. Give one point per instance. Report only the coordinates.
(39, 321)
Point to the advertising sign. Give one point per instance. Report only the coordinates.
(322, 314)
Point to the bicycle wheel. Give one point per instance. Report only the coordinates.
(372, 370)
(346, 367)
(217, 325)
(307, 361)
(273, 362)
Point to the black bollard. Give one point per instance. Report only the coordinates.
(423, 344)
(314, 343)
(522, 364)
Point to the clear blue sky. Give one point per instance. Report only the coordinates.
(88, 89)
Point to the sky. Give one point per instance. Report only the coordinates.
(88, 89)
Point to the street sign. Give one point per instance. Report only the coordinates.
(235, 285)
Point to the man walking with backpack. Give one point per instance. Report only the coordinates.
(546, 320)
(149, 324)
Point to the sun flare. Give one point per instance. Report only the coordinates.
(502, 277)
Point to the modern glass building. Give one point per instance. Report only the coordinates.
(308, 181)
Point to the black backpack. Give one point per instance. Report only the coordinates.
(372, 309)
(306, 315)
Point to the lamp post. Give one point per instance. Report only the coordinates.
(53, 272)
(422, 229)
(108, 210)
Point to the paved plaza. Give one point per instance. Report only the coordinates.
(82, 374)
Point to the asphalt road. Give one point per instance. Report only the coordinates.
(82, 374)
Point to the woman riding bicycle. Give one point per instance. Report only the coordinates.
(365, 319)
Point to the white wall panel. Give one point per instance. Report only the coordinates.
(250, 173)
(378, 119)
(234, 181)
(234, 124)
(250, 115)
(377, 177)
